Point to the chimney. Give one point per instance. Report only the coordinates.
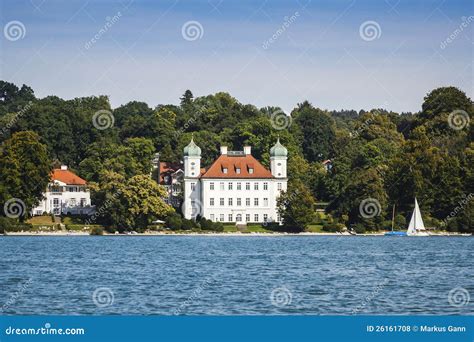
(247, 150)
(64, 167)
(223, 149)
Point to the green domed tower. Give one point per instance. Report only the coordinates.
(192, 150)
(278, 160)
(192, 159)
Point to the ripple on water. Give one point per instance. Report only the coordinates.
(235, 275)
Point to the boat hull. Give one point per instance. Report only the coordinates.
(418, 234)
(395, 234)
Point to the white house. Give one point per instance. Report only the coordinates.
(236, 187)
(169, 175)
(67, 193)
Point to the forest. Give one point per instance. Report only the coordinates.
(376, 154)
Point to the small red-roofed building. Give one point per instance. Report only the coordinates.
(236, 188)
(67, 193)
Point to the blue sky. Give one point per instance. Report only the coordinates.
(321, 55)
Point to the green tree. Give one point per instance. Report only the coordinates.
(296, 207)
(25, 169)
(138, 202)
(316, 132)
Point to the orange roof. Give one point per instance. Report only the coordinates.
(168, 168)
(232, 163)
(67, 177)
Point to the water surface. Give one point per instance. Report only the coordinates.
(230, 275)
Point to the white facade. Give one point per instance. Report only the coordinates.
(227, 192)
(63, 197)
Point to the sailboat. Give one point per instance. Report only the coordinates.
(393, 232)
(416, 226)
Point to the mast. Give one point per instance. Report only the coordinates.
(393, 216)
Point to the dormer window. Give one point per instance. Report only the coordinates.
(250, 170)
(224, 169)
(237, 170)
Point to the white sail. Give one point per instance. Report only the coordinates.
(416, 225)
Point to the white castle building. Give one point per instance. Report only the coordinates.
(236, 187)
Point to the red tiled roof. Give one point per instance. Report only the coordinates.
(232, 163)
(67, 177)
(167, 168)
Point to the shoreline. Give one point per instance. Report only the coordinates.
(236, 234)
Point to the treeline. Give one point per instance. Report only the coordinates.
(377, 155)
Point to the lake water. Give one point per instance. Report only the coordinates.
(220, 275)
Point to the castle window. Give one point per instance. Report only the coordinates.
(212, 217)
(247, 202)
(211, 202)
(265, 202)
(255, 218)
(221, 185)
(239, 186)
(221, 202)
(222, 217)
(247, 217)
(279, 186)
(255, 202)
(239, 202)
(230, 186)
(247, 186)
(265, 217)
(230, 202)
(238, 218)
(230, 217)
(211, 186)
(255, 186)
(265, 186)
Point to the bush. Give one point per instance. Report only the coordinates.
(12, 225)
(187, 224)
(206, 224)
(359, 228)
(173, 221)
(97, 231)
(218, 226)
(333, 227)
